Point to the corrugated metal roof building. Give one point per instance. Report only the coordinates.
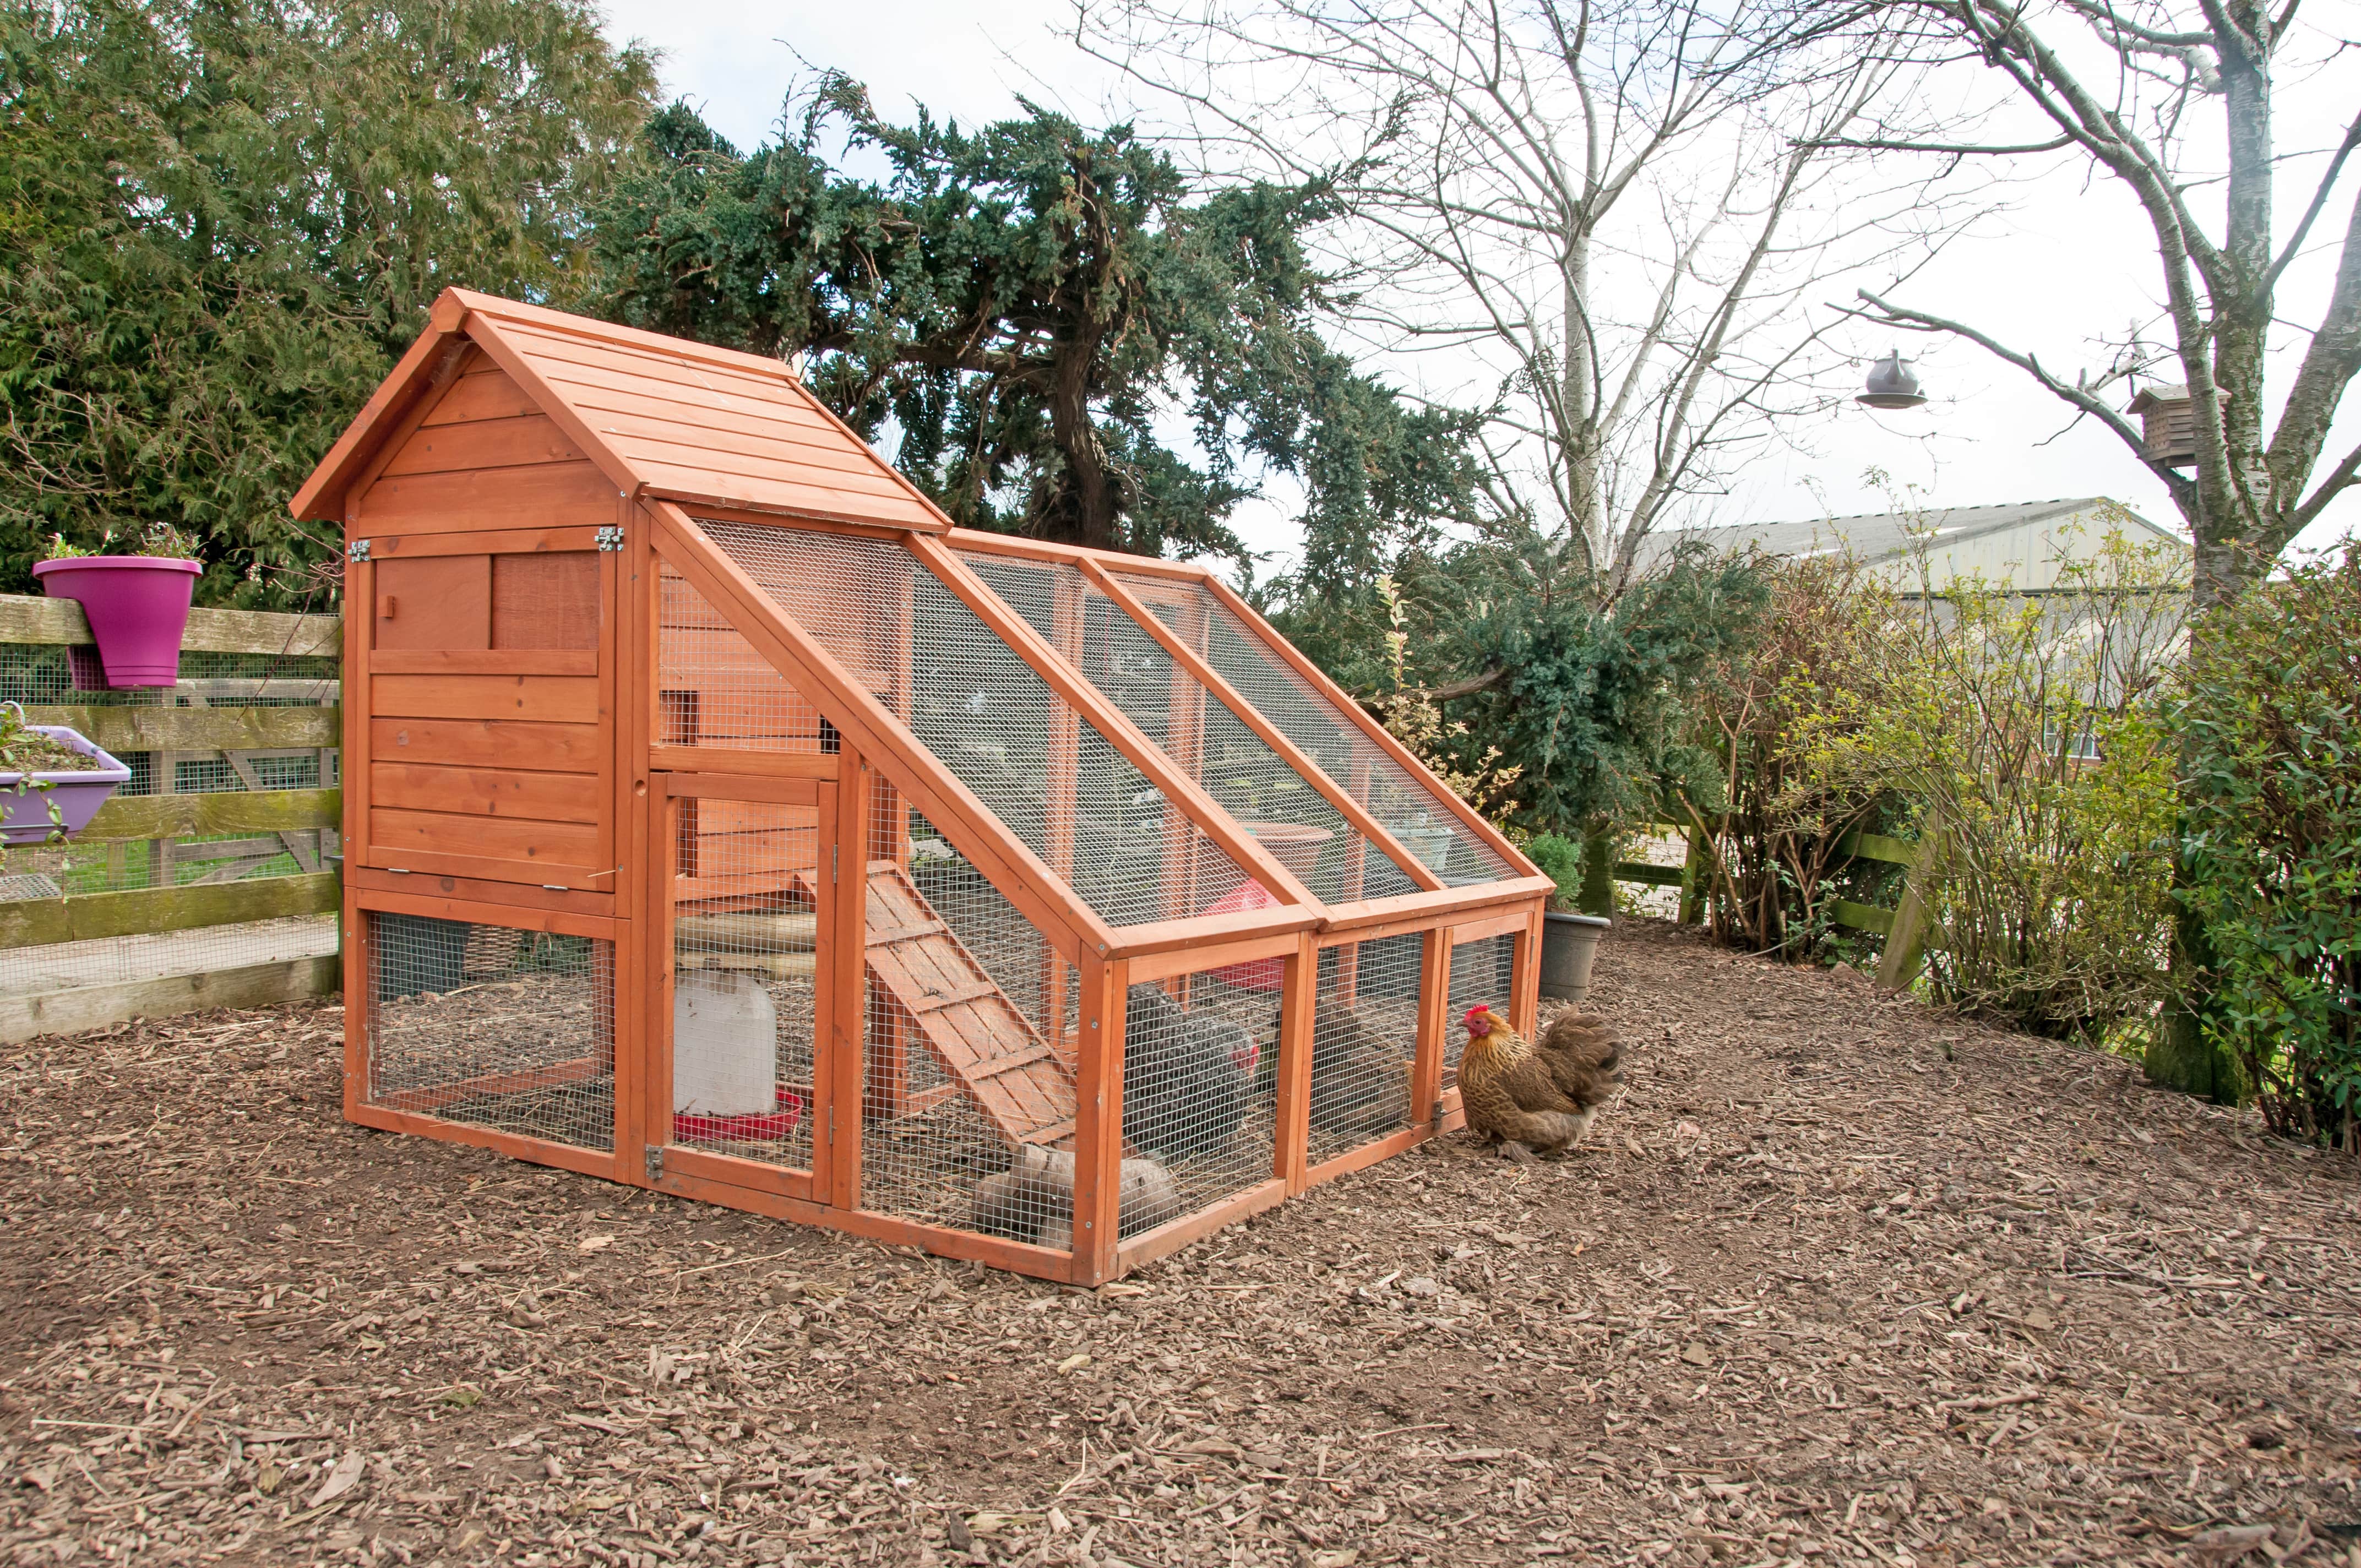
(2023, 546)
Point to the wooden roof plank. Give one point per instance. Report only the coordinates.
(656, 416)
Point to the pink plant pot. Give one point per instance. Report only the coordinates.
(138, 606)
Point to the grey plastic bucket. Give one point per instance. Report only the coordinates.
(1569, 943)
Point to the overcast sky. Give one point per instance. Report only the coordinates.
(2067, 262)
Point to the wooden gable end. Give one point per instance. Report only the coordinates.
(481, 454)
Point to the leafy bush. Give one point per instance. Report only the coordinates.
(2019, 730)
(1774, 871)
(1560, 859)
(2272, 840)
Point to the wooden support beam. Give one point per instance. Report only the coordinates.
(1098, 1124)
(42, 922)
(29, 618)
(121, 729)
(218, 811)
(26, 1014)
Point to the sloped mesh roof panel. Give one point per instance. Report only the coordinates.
(1125, 849)
(1410, 806)
(1202, 736)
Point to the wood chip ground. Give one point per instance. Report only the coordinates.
(1839, 1279)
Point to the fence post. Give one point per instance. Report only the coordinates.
(1906, 941)
(1693, 873)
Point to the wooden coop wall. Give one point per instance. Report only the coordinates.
(673, 860)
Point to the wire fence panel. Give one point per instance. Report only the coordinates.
(1409, 807)
(1209, 742)
(745, 924)
(968, 1049)
(492, 1026)
(1200, 1069)
(1365, 1041)
(714, 690)
(1043, 770)
(1481, 975)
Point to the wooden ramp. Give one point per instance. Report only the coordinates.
(983, 1043)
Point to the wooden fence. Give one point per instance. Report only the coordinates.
(1904, 928)
(211, 860)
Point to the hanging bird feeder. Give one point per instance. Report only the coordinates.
(1891, 385)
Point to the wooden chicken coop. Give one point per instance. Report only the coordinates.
(721, 819)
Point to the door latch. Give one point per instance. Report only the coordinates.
(655, 1163)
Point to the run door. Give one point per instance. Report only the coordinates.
(740, 1095)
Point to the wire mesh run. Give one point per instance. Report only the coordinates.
(969, 1051)
(1205, 739)
(1365, 1041)
(1041, 770)
(1482, 974)
(1200, 1071)
(493, 1028)
(714, 690)
(745, 936)
(1407, 806)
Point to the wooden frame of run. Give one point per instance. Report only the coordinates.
(528, 758)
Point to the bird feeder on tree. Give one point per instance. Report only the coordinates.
(723, 820)
(1892, 384)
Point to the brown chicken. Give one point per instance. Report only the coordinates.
(1537, 1098)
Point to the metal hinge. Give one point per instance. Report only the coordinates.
(610, 538)
(831, 863)
(655, 1163)
(357, 550)
(832, 1123)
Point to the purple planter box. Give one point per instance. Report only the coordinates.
(138, 606)
(24, 818)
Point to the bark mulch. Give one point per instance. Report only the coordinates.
(1839, 1279)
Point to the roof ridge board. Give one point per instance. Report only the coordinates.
(617, 334)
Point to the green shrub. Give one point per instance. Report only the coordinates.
(2271, 840)
(1773, 870)
(1561, 862)
(2019, 730)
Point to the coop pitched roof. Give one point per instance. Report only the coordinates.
(661, 417)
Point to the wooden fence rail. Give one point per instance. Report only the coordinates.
(1904, 928)
(238, 828)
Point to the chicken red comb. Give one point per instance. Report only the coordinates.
(1484, 1008)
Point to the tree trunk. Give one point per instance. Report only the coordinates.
(1598, 894)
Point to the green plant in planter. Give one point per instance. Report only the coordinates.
(1560, 859)
(160, 540)
(26, 752)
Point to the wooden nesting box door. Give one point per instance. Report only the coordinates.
(490, 689)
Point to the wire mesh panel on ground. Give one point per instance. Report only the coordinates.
(1481, 974)
(968, 1052)
(1044, 772)
(1365, 1041)
(746, 889)
(492, 1026)
(1209, 743)
(1410, 807)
